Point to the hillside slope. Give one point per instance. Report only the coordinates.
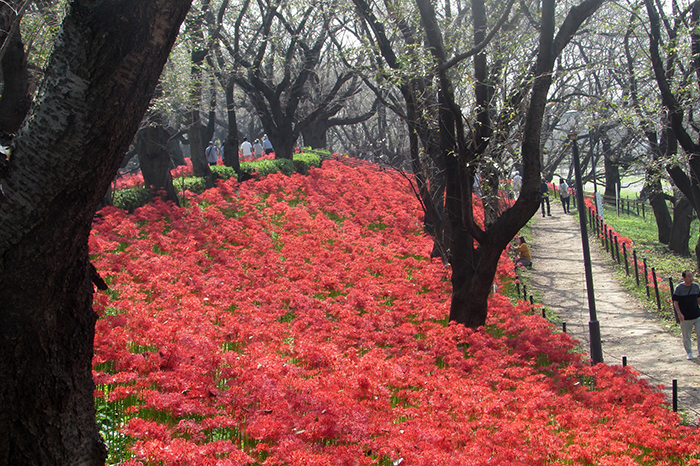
(298, 320)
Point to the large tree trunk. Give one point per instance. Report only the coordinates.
(612, 172)
(200, 167)
(15, 100)
(680, 231)
(314, 134)
(154, 158)
(231, 157)
(283, 142)
(98, 83)
(174, 149)
(657, 200)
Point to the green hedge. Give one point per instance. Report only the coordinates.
(191, 183)
(132, 198)
(304, 161)
(267, 167)
(222, 172)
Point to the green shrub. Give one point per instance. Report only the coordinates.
(266, 167)
(191, 183)
(222, 172)
(304, 161)
(324, 154)
(131, 198)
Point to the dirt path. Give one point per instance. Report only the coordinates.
(558, 280)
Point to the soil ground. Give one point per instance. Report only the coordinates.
(557, 280)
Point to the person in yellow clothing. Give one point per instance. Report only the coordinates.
(525, 259)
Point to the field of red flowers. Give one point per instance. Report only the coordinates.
(298, 321)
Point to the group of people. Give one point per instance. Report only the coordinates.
(564, 193)
(257, 148)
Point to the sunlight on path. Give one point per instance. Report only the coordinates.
(558, 280)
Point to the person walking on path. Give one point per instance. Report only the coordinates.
(246, 148)
(686, 303)
(517, 183)
(212, 153)
(544, 188)
(564, 195)
(258, 148)
(267, 145)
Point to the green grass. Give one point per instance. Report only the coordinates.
(644, 235)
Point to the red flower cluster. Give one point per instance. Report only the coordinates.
(133, 180)
(297, 320)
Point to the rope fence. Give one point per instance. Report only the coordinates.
(623, 255)
(619, 247)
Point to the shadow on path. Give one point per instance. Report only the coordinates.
(626, 328)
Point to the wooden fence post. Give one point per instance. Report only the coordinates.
(646, 277)
(656, 288)
(670, 284)
(612, 249)
(605, 236)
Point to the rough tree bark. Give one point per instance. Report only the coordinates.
(15, 100)
(104, 67)
(152, 146)
(687, 183)
(474, 266)
(231, 157)
(680, 231)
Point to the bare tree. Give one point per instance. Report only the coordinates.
(465, 140)
(684, 75)
(276, 52)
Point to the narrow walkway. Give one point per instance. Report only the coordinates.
(558, 280)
